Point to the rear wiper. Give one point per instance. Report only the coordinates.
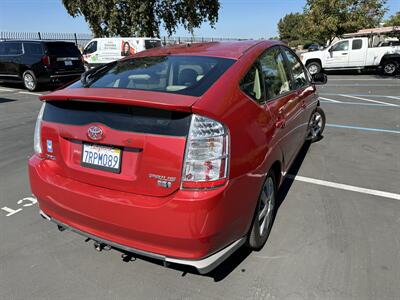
(88, 76)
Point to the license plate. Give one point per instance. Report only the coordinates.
(68, 63)
(101, 157)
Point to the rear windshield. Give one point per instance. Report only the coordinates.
(61, 49)
(148, 44)
(119, 117)
(187, 75)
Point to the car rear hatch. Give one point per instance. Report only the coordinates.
(64, 57)
(146, 130)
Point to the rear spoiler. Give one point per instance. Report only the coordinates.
(160, 100)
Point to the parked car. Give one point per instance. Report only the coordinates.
(36, 62)
(101, 51)
(176, 153)
(313, 47)
(353, 54)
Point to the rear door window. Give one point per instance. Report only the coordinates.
(357, 44)
(276, 77)
(149, 44)
(13, 48)
(61, 49)
(252, 85)
(300, 78)
(186, 75)
(33, 48)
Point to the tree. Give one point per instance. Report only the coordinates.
(290, 28)
(143, 17)
(393, 20)
(327, 19)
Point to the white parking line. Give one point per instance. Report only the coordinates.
(346, 187)
(7, 90)
(330, 100)
(369, 100)
(393, 97)
(30, 93)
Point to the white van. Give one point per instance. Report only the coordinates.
(104, 50)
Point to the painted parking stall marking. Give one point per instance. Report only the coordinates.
(346, 187)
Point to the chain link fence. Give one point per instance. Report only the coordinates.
(81, 39)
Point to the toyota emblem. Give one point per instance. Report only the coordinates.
(95, 133)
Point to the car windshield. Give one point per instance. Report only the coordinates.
(187, 75)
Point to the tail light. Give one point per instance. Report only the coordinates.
(46, 60)
(207, 155)
(37, 146)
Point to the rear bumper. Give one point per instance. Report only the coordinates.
(187, 227)
(51, 77)
(202, 265)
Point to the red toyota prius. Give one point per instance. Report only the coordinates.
(176, 153)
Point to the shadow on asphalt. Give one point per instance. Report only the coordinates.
(233, 261)
(5, 100)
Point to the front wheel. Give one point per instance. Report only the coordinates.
(30, 81)
(264, 214)
(314, 67)
(390, 67)
(316, 125)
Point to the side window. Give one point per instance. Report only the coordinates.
(92, 47)
(33, 49)
(341, 46)
(296, 67)
(357, 44)
(13, 48)
(275, 75)
(251, 84)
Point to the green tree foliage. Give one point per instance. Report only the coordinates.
(327, 19)
(290, 28)
(143, 17)
(393, 20)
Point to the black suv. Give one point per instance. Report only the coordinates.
(38, 62)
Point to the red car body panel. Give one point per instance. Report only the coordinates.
(129, 208)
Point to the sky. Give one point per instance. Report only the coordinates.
(237, 18)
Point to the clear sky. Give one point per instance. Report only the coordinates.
(237, 18)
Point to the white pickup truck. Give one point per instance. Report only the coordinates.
(353, 53)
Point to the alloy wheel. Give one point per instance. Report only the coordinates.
(29, 81)
(267, 204)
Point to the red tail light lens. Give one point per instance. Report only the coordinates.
(46, 60)
(207, 155)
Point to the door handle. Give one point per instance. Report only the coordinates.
(280, 123)
(344, 53)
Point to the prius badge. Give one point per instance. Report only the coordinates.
(95, 133)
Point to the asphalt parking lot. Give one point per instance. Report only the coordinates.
(336, 234)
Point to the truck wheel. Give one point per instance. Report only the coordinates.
(264, 214)
(390, 67)
(314, 67)
(30, 81)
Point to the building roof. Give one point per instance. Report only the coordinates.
(374, 31)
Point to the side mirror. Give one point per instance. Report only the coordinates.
(319, 79)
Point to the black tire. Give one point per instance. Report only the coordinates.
(29, 80)
(257, 236)
(314, 67)
(316, 126)
(390, 67)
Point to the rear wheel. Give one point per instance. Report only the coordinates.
(30, 81)
(390, 67)
(314, 67)
(316, 125)
(264, 214)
